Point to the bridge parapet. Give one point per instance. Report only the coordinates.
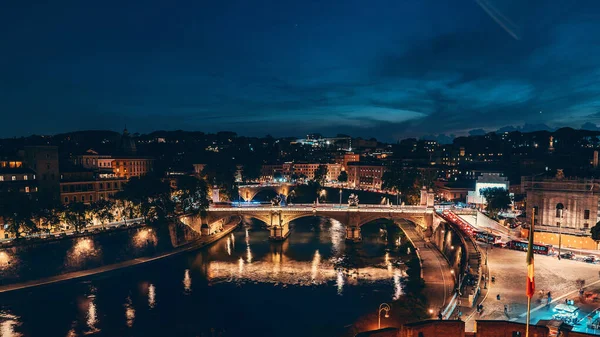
(278, 218)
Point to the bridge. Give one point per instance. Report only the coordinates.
(278, 218)
(248, 192)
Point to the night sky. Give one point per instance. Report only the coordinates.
(385, 69)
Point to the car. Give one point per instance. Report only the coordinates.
(590, 259)
(500, 244)
(567, 255)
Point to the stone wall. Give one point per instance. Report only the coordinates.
(576, 203)
(40, 259)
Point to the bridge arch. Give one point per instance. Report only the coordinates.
(248, 192)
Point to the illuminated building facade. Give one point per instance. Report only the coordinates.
(367, 176)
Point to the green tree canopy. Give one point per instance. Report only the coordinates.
(497, 199)
(18, 210)
(321, 174)
(343, 177)
(192, 194)
(103, 210)
(596, 231)
(76, 214)
(404, 180)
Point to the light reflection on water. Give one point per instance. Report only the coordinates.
(8, 323)
(187, 281)
(129, 312)
(339, 282)
(315, 266)
(92, 316)
(151, 296)
(317, 263)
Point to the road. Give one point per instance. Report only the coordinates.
(509, 269)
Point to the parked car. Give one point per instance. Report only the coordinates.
(567, 255)
(590, 259)
(500, 244)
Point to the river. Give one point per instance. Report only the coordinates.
(312, 284)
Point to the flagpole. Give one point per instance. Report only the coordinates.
(529, 248)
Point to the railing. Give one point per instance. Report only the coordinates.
(329, 208)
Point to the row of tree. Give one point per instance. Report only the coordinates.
(148, 197)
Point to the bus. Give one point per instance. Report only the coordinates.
(538, 248)
(487, 237)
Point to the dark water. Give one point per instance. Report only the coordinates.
(243, 285)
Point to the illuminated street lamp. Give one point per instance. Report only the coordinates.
(340, 198)
(383, 307)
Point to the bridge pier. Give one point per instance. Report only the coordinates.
(279, 233)
(353, 234)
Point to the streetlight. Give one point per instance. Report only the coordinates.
(383, 307)
(340, 198)
(561, 213)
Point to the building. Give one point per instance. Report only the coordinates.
(333, 171)
(367, 176)
(454, 191)
(87, 186)
(267, 172)
(486, 180)
(348, 157)
(43, 160)
(92, 160)
(131, 166)
(16, 177)
(568, 206)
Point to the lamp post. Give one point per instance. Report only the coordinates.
(340, 198)
(383, 307)
(561, 213)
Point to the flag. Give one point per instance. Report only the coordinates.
(530, 278)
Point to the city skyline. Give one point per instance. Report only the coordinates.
(391, 71)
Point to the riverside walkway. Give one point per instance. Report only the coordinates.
(200, 243)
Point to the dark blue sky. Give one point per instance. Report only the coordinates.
(377, 68)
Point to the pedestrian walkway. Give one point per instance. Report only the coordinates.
(435, 271)
(201, 242)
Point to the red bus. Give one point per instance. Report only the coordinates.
(538, 248)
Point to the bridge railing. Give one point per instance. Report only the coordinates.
(322, 208)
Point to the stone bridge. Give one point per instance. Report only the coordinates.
(278, 218)
(248, 192)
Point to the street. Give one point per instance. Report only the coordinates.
(508, 267)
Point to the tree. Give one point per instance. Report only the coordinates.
(343, 177)
(103, 210)
(497, 199)
(192, 194)
(76, 214)
(151, 194)
(18, 210)
(406, 181)
(596, 231)
(47, 217)
(321, 174)
(252, 171)
(221, 173)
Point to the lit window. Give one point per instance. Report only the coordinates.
(25, 177)
(14, 178)
(26, 189)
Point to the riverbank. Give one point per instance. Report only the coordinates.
(202, 242)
